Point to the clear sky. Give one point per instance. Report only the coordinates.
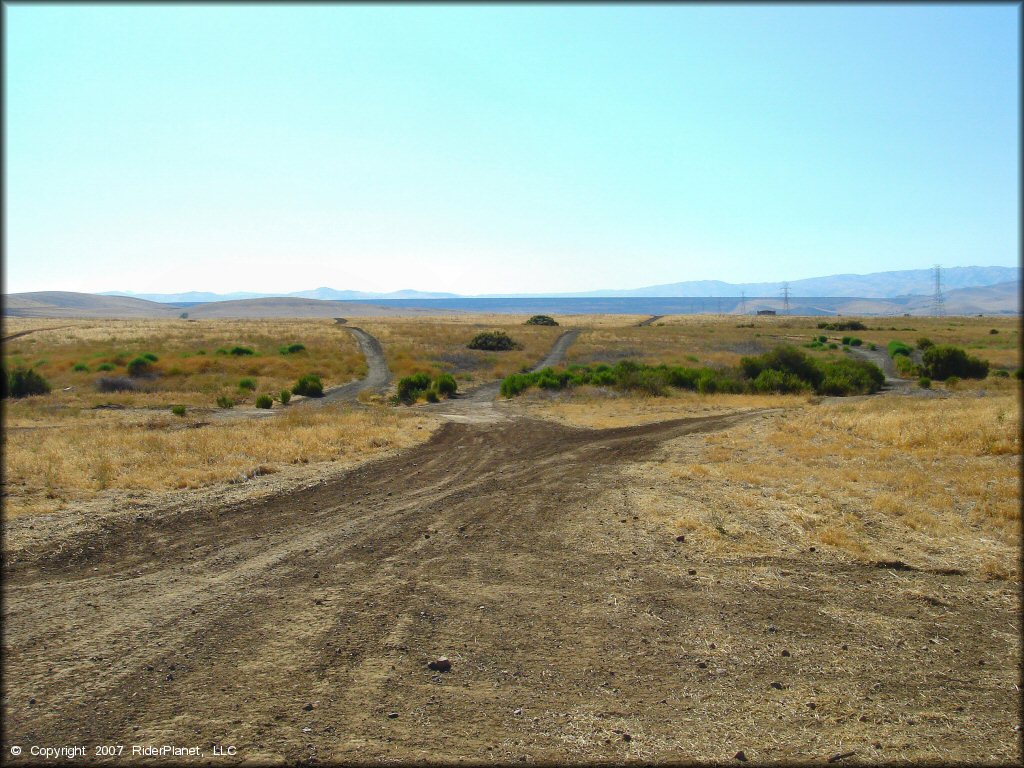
(479, 149)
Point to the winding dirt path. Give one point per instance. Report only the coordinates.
(378, 375)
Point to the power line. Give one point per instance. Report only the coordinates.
(785, 298)
(938, 300)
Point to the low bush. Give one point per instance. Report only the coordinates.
(411, 387)
(249, 384)
(924, 382)
(150, 356)
(104, 367)
(952, 381)
(1000, 373)
(945, 360)
(855, 342)
(924, 342)
(895, 348)
(541, 320)
(291, 349)
(446, 385)
(833, 345)
(178, 410)
(80, 368)
(240, 351)
(823, 339)
(843, 325)
(225, 402)
(264, 401)
(993, 331)
(24, 382)
(309, 386)
(115, 384)
(493, 341)
(431, 396)
(140, 366)
(285, 396)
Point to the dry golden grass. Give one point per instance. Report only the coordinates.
(49, 466)
(189, 370)
(438, 346)
(930, 481)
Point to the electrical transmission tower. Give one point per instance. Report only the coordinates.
(785, 298)
(743, 302)
(938, 300)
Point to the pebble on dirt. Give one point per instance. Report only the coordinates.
(442, 664)
(308, 708)
(392, 715)
(740, 756)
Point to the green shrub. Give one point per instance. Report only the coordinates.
(249, 384)
(178, 410)
(104, 367)
(225, 402)
(221, 351)
(906, 366)
(240, 351)
(309, 386)
(843, 325)
(855, 342)
(446, 385)
(24, 382)
(410, 387)
(291, 349)
(80, 368)
(993, 331)
(140, 366)
(150, 356)
(823, 339)
(541, 320)
(833, 345)
(847, 340)
(285, 396)
(924, 342)
(786, 359)
(944, 360)
(874, 347)
(770, 380)
(432, 396)
(924, 382)
(493, 341)
(264, 401)
(1002, 374)
(898, 348)
(952, 381)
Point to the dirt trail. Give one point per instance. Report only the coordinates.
(378, 376)
(19, 334)
(299, 628)
(649, 320)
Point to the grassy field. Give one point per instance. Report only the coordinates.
(194, 363)
(871, 478)
(414, 346)
(723, 340)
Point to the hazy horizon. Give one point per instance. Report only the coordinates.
(504, 149)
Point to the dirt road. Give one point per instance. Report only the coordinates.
(300, 628)
(649, 320)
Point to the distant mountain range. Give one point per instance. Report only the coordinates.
(877, 285)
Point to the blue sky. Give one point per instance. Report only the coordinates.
(162, 148)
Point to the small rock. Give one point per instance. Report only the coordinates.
(777, 686)
(692, 572)
(712, 646)
(785, 652)
(680, 539)
(740, 756)
(308, 708)
(812, 549)
(772, 629)
(440, 665)
(392, 715)
(846, 647)
(517, 712)
(702, 665)
(811, 705)
(169, 677)
(627, 738)
(31, 701)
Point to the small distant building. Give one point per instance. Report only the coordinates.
(766, 311)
